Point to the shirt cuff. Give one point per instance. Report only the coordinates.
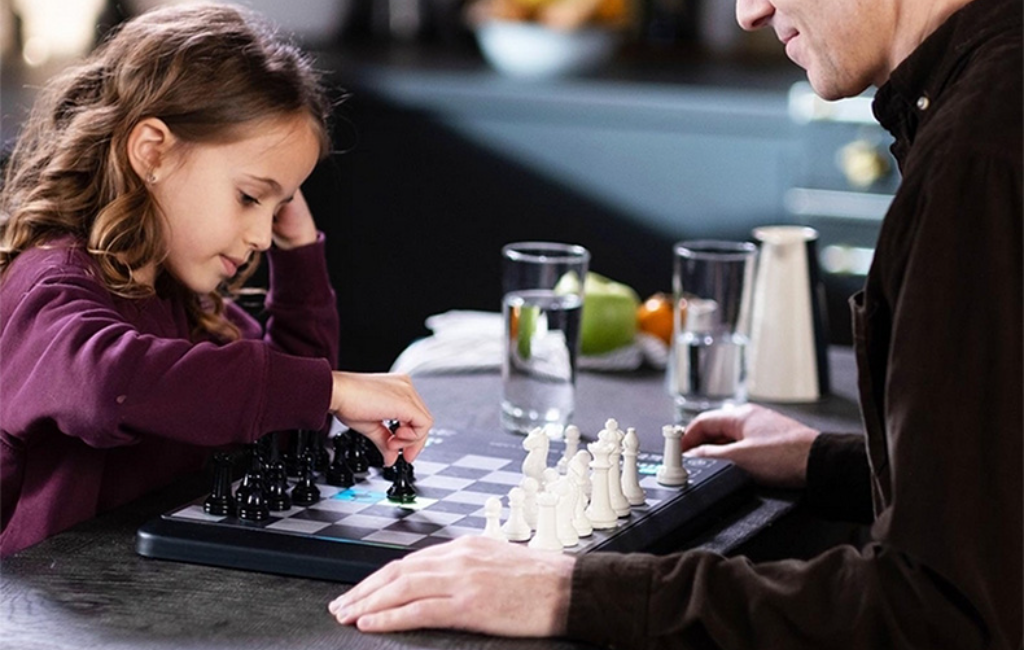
(839, 478)
(609, 599)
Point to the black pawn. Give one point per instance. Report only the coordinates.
(356, 457)
(339, 473)
(305, 492)
(298, 446)
(277, 487)
(321, 458)
(402, 490)
(220, 502)
(251, 498)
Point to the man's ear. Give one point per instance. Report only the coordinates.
(149, 144)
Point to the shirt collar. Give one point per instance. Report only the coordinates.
(917, 83)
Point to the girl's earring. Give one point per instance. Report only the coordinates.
(151, 178)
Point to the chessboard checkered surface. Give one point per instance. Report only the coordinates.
(352, 531)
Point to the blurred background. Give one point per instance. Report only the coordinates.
(621, 125)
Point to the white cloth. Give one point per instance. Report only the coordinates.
(471, 341)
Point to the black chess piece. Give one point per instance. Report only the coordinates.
(250, 498)
(402, 490)
(298, 445)
(277, 495)
(221, 501)
(390, 473)
(356, 456)
(321, 458)
(305, 492)
(339, 473)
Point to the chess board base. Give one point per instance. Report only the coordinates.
(352, 532)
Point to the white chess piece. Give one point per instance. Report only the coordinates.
(530, 488)
(579, 468)
(572, 443)
(600, 512)
(537, 444)
(515, 528)
(672, 472)
(492, 511)
(583, 457)
(630, 472)
(613, 436)
(546, 538)
(549, 478)
(564, 511)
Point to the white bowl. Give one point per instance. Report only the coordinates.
(524, 49)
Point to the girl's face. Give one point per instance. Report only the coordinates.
(219, 201)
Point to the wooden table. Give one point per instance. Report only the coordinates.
(86, 587)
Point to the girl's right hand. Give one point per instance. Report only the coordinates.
(364, 402)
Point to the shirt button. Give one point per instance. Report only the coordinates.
(923, 102)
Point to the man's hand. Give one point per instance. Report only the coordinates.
(472, 583)
(768, 445)
(363, 402)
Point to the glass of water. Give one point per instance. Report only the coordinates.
(542, 304)
(713, 287)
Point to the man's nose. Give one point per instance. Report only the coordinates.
(754, 14)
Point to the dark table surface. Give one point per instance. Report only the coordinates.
(86, 587)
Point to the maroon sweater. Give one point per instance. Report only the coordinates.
(103, 398)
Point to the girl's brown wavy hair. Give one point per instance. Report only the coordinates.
(207, 71)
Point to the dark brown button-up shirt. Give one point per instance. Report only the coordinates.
(938, 337)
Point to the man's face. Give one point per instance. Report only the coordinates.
(844, 45)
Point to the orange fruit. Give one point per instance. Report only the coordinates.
(654, 316)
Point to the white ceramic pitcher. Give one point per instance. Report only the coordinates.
(787, 357)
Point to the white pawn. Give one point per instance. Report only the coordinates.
(578, 473)
(530, 488)
(549, 478)
(600, 512)
(579, 520)
(564, 511)
(516, 529)
(492, 511)
(583, 457)
(546, 538)
(672, 472)
(572, 444)
(630, 472)
(613, 436)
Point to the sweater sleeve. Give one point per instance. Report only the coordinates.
(71, 358)
(303, 314)
(839, 478)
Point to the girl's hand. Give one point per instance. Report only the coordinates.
(472, 583)
(363, 402)
(771, 447)
(293, 224)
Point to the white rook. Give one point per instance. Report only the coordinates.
(672, 471)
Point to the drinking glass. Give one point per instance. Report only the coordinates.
(712, 284)
(542, 304)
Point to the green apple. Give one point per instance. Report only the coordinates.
(609, 315)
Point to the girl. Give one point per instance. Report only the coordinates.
(146, 182)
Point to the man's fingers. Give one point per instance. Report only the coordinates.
(409, 587)
(437, 612)
(713, 427)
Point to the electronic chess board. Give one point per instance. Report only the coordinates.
(351, 532)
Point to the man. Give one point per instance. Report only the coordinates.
(938, 337)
